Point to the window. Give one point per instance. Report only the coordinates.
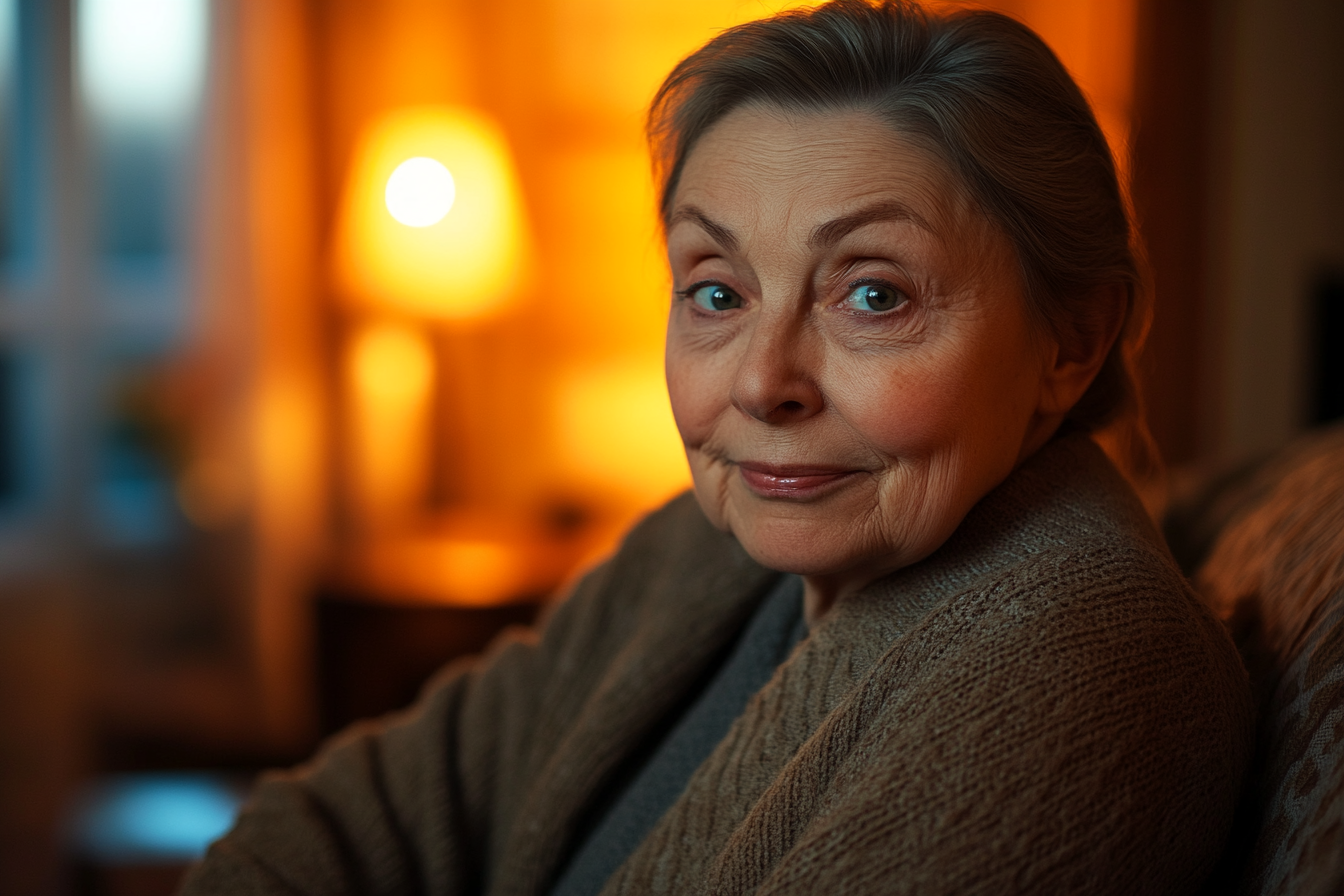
(99, 116)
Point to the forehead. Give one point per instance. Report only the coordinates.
(816, 165)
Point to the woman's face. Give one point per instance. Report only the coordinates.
(849, 355)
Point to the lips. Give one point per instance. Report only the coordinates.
(793, 482)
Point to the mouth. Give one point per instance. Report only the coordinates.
(793, 482)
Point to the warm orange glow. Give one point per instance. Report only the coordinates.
(392, 364)
(390, 375)
(616, 430)
(613, 54)
(498, 565)
(463, 264)
(473, 572)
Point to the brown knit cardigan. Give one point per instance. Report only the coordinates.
(1041, 706)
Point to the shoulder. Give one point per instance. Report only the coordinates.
(1074, 584)
(1064, 539)
(1091, 567)
(1057, 614)
(1060, 692)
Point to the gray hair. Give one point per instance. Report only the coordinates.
(985, 94)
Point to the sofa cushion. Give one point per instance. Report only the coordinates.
(1276, 573)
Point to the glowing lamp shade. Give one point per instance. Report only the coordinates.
(431, 221)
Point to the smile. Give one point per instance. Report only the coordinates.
(793, 483)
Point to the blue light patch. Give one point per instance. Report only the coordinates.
(155, 817)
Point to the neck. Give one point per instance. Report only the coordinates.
(819, 595)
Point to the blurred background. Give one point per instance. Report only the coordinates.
(330, 343)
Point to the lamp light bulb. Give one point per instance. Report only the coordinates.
(420, 192)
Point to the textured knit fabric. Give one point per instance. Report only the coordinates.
(773, 631)
(1040, 706)
(1277, 572)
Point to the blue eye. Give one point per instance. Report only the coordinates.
(713, 297)
(875, 297)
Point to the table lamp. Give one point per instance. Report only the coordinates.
(430, 235)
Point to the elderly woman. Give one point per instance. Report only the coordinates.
(913, 632)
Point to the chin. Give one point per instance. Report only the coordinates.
(808, 547)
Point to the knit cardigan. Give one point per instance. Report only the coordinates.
(1040, 706)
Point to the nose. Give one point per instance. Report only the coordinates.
(776, 379)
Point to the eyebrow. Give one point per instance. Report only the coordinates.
(823, 236)
(826, 235)
(722, 235)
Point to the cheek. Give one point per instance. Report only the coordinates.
(899, 409)
(967, 400)
(693, 391)
(695, 394)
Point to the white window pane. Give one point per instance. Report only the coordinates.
(8, 27)
(141, 63)
(8, 62)
(141, 66)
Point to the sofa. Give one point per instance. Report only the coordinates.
(1265, 547)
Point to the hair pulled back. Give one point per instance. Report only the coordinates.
(985, 94)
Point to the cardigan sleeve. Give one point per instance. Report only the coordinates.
(409, 804)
